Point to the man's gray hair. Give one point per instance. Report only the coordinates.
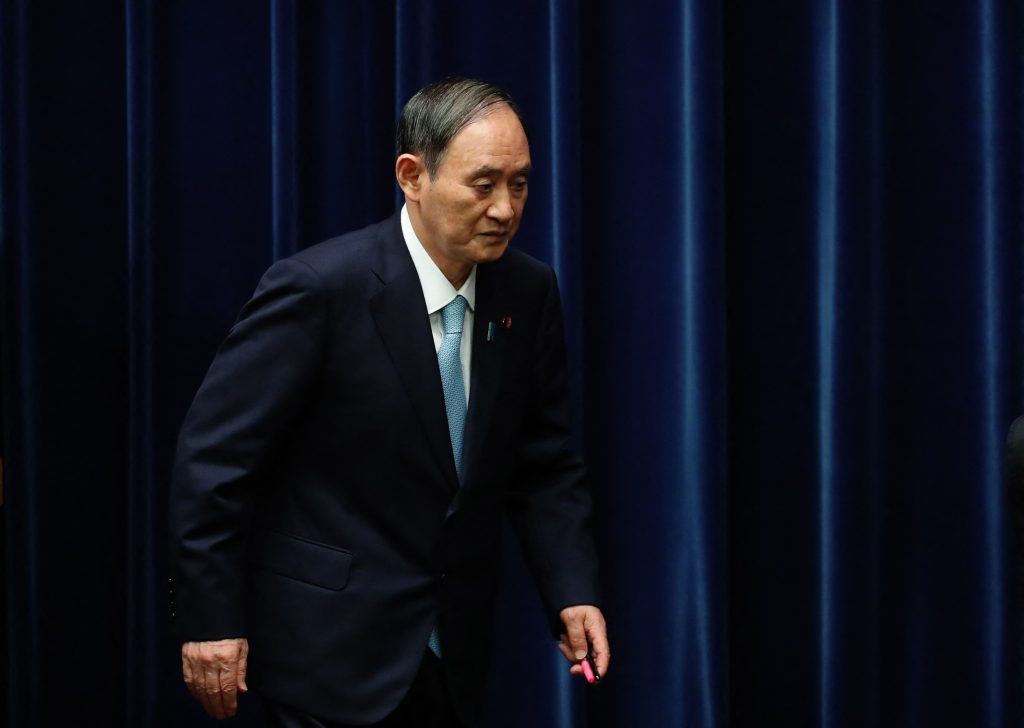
(436, 113)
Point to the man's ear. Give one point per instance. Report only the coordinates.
(410, 173)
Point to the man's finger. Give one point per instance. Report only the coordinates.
(602, 655)
(243, 667)
(574, 665)
(228, 679)
(199, 691)
(577, 637)
(212, 694)
(187, 673)
(566, 652)
(597, 632)
(229, 693)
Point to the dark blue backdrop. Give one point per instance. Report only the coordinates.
(789, 240)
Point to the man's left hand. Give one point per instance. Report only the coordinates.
(585, 630)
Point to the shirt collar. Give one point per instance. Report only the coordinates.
(437, 290)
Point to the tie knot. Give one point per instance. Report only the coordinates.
(453, 315)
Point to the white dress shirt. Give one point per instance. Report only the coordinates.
(438, 292)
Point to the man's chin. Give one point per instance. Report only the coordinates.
(491, 251)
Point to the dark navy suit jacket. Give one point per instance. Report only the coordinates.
(315, 505)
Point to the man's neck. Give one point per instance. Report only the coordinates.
(455, 272)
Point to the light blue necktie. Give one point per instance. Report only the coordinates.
(449, 361)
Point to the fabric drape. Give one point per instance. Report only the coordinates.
(788, 238)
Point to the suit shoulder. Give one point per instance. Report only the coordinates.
(344, 254)
(519, 264)
(340, 267)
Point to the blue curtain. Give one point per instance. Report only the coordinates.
(788, 237)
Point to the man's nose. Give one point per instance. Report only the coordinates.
(501, 209)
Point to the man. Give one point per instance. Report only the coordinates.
(383, 398)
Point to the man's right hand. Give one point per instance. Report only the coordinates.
(215, 673)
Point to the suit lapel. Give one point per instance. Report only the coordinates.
(399, 312)
(486, 365)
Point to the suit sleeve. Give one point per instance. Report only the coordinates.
(549, 505)
(258, 381)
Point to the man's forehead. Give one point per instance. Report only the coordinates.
(494, 144)
(490, 170)
(498, 125)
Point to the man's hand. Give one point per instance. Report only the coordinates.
(215, 672)
(585, 629)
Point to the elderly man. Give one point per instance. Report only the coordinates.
(382, 400)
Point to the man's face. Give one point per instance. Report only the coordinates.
(473, 207)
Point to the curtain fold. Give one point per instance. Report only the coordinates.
(788, 239)
(655, 354)
(21, 628)
(284, 177)
(143, 532)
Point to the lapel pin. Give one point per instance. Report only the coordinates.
(492, 327)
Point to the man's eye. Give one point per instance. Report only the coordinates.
(519, 186)
(484, 187)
